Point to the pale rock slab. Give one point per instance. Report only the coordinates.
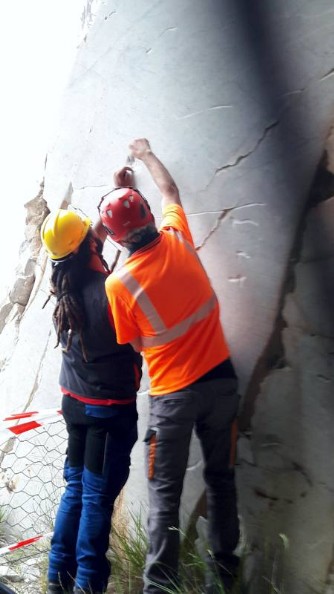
(236, 99)
(292, 428)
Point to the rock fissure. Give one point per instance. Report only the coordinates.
(202, 112)
(323, 77)
(244, 156)
(5, 450)
(275, 350)
(38, 374)
(230, 209)
(328, 74)
(282, 365)
(107, 16)
(298, 468)
(221, 217)
(167, 30)
(93, 187)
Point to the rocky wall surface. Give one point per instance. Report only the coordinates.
(236, 99)
(286, 472)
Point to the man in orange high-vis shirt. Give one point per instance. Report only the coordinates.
(164, 305)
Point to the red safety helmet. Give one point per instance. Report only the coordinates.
(122, 211)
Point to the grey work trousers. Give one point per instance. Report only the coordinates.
(210, 408)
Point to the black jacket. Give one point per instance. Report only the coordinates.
(111, 371)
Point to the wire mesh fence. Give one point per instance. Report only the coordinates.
(31, 483)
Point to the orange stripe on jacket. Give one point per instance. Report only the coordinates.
(152, 449)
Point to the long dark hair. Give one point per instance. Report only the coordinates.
(67, 281)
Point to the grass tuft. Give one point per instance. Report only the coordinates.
(129, 546)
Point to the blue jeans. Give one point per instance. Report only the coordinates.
(96, 469)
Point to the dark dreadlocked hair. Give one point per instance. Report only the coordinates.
(67, 280)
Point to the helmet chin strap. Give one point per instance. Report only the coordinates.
(114, 243)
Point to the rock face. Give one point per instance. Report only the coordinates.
(286, 478)
(236, 99)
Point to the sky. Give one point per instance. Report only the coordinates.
(38, 44)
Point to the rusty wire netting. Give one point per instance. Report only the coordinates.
(31, 481)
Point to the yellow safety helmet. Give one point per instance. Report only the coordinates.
(62, 232)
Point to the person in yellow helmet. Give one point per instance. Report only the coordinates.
(99, 380)
(62, 233)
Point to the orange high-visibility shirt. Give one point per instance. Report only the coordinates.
(163, 297)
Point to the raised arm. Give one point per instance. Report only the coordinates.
(140, 149)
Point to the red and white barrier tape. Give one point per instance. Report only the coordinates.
(31, 420)
(23, 543)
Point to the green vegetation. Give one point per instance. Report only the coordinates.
(128, 552)
(129, 546)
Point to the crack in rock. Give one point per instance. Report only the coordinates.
(295, 92)
(149, 50)
(224, 214)
(264, 495)
(91, 187)
(38, 374)
(221, 217)
(326, 487)
(298, 468)
(328, 74)
(7, 448)
(243, 461)
(244, 156)
(324, 378)
(37, 284)
(330, 577)
(109, 15)
(5, 310)
(218, 212)
(200, 112)
(303, 89)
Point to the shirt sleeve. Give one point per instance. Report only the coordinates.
(125, 325)
(174, 216)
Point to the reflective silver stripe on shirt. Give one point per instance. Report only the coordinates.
(142, 300)
(187, 244)
(181, 328)
(178, 235)
(163, 335)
